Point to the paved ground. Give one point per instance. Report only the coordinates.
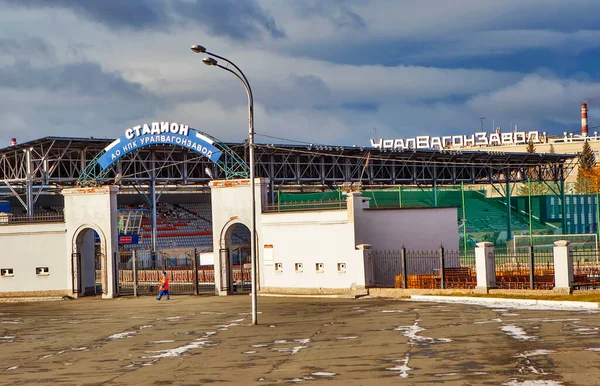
(202, 340)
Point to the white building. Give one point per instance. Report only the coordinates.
(304, 252)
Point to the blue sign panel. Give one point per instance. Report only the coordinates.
(129, 239)
(167, 133)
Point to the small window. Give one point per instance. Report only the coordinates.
(42, 271)
(320, 267)
(299, 267)
(341, 267)
(278, 267)
(6, 272)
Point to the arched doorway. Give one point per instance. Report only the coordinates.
(235, 258)
(89, 276)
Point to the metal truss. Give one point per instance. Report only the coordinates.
(336, 165)
(230, 164)
(49, 164)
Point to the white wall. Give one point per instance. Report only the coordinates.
(26, 247)
(230, 205)
(413, 228)
(94, 208)
(309, 238)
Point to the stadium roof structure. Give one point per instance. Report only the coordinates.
(52, 163)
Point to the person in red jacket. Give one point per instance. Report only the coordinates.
(163, 287)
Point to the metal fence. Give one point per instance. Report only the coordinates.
(524, 269)
(586, 270)
(10, 219)
(421, 269)
(305, 206)
(140, 272)
(441, 269)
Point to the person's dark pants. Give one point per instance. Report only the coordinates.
(163, 292)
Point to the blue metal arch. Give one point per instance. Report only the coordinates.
(99, 167)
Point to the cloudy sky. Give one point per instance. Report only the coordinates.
(322, 71)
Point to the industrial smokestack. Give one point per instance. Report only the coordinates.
(584, 123)
(13, 142)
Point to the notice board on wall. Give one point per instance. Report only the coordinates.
(269, 257)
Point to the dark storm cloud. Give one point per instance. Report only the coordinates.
(338, 12)
(240, 20)
(85, 78)
(138, 14)
(236, 19)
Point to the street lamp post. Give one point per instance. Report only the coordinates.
(211, 61)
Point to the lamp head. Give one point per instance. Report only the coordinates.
(198, 48)
(210, 61)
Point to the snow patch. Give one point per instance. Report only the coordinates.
(346, 337)
(514, 382)
(534, 353)
(292, 350)
(411, 332)
(121, 335)
(517, 332)
(323, 374)
(161, 341)
(453, 374)
(497, 320)
(178, 351)
(403, 367)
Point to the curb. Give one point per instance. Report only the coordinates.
(29, 300)
(513, 303)
(333, 296)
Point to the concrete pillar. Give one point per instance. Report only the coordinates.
(355, 204)
(92, 208)
(485, 263)
(366, 272)
(230, 205)
(563, 266)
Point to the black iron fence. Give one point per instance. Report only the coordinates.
(524, 269)
(140, 272)
(442, 269)
(11, 219)
(305, 206)
(586, 268)
(421, 269)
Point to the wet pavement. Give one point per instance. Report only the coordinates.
(204, 340)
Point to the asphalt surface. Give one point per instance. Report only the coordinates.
(205, 340)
